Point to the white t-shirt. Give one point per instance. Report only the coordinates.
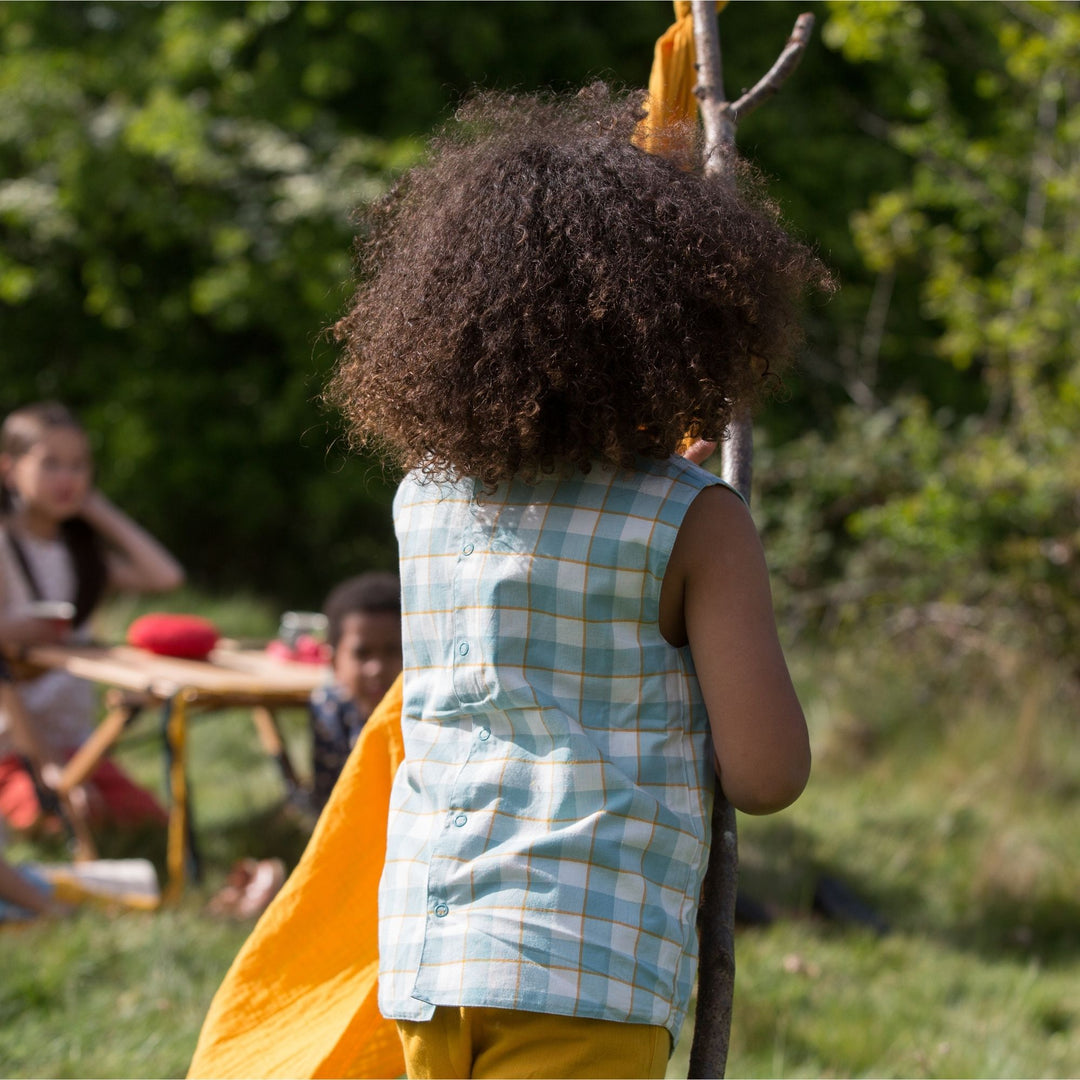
(60, 706)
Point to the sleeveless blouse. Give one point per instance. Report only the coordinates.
(549, 827)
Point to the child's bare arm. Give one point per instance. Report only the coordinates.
(135, 559)
(758, 728)
(18, 890)
(29, 630)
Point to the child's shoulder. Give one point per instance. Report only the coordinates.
(418, 487)
(675, 479)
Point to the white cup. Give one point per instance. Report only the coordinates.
(58, 613)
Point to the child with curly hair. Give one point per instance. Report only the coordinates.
(543, 313)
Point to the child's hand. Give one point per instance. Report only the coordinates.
(134, 559)
(699, 451)
(52, 773)
(94, 506)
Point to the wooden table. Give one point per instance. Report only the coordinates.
(230, 677)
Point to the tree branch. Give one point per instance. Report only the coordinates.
(778, 74)
(716, 116)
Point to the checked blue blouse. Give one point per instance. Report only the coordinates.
(549, 826)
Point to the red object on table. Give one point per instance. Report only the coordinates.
(190, 637)
(307, 650)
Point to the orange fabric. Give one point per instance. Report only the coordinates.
(672, 79)
(300, 998)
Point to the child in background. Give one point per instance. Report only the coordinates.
(544, 311)
(363, 616)
(363, 628)
(61, 540)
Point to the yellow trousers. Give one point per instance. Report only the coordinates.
(482, 1042)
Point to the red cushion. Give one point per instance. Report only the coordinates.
(187, 636)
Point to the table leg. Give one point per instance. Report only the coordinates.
(274, 744)
(182, 858)
(85, 759)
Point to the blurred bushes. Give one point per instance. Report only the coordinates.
(176, 182)
(175, 188)
(923, 509)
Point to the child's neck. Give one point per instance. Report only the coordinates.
(35, 524)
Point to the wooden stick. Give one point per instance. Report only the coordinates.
(273, 743)
(716, 973)
(97, 744)
(716, 923)
(715, 110)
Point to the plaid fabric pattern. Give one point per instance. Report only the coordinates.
(550, 824)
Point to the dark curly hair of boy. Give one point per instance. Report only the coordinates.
(542, 294)
(372, 593)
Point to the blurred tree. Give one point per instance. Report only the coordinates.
(175, 188)
(168, 261)
(174, 236)
(967, 517)
(175, 184)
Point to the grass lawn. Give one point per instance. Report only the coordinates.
(942, 799)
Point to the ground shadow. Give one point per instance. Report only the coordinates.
(1044, 928)
(782, 876)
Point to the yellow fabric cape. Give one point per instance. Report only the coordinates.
(300, 998)
(672, 79)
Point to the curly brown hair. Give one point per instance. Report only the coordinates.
(542, 294)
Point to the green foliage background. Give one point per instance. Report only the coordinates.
(176, 181)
